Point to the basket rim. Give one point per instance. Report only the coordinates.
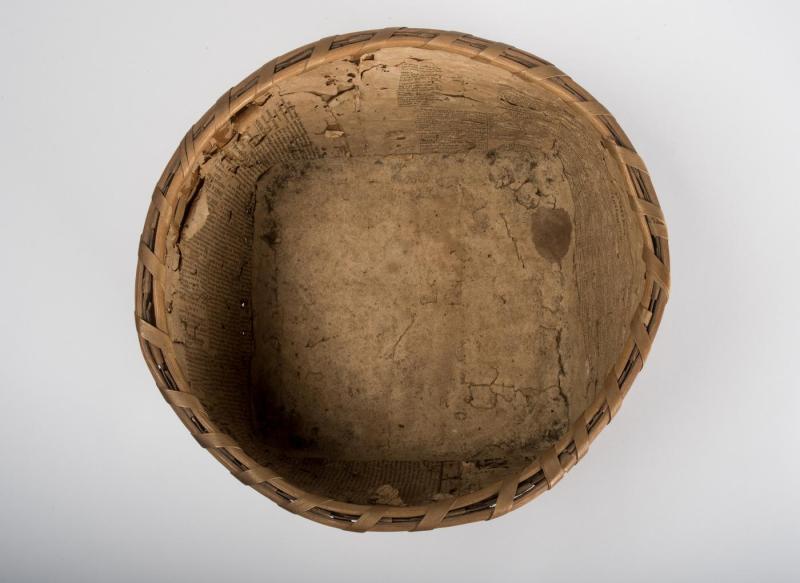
(215, 128)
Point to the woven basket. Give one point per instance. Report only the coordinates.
(401, 279)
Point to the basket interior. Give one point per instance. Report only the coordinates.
(404, 277)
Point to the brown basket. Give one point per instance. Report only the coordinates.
(400, 279)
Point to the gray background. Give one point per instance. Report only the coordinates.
(697, 478)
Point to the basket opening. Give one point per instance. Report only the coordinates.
(405, 276)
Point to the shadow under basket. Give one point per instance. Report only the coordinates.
(400, 279)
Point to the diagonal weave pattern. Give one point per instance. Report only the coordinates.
(166, 213)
